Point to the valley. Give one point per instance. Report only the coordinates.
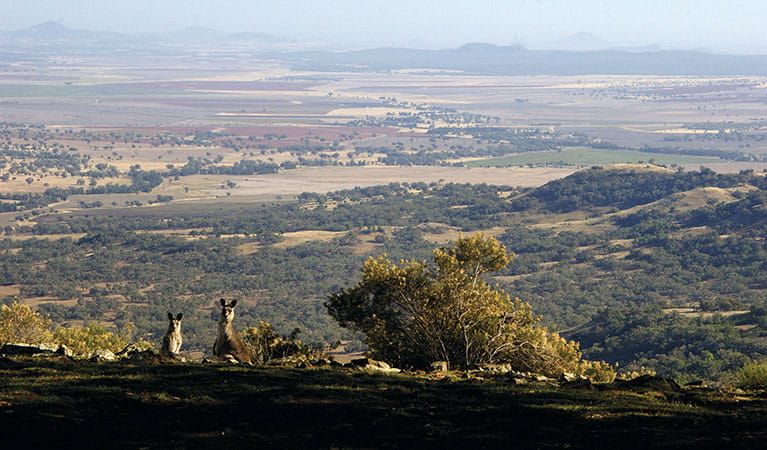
(134, 184)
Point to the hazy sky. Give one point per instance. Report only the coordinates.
(723, 25)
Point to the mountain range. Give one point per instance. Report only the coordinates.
(578, 54)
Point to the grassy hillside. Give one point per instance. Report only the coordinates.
(124, 405)
(643, 265)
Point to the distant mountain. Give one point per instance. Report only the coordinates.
(53, 35)
(578, 42)
(50, 31)
(264, 37)
(473, 58)
(190, 33)
(489, 59)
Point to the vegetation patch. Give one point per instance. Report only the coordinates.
(586, 156)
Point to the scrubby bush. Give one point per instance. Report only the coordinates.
(631, 374)
(753, 375)
(19, 324)
(90, 339)
(265, 344)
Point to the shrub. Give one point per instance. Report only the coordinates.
(753, 375)
(598, 371)
(88, 340)
(631, 374)
(264, 344)
(19, 324)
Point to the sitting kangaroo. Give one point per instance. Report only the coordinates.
(171, 342)
(228, 346)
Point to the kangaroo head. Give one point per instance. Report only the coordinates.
(227, 310)
(174, 322)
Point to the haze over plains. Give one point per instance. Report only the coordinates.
(731, 27)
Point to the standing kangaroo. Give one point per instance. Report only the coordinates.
(171, 342)
(228, 346)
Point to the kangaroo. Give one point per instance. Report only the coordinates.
(171, 342)
(228, 346)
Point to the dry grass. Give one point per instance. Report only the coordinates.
(10, 290)
(694, 312)
(44, 182)
(34, 302)
(289, 183)
(300, 237)
(452, 234)
(50, 237)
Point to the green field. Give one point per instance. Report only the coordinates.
(586, 156)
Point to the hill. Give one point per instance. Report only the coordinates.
(580, 54)
(487, 59)
(128, 405)
(645, 266)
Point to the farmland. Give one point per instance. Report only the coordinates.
(581, 157)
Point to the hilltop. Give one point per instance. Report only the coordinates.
(125, 405)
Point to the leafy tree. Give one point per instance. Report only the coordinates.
(19, 324)
(413, 313)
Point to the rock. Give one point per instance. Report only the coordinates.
(63, 350)
(135, 353)
(495, 368)
(373, 365)
(29, 350)
(650, 383)
(103, 355)
(129, 350)
(439, 366)
(567, 377)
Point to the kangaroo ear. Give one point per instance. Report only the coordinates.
(234, 303)
(170, 316)
(178, 317)
(223, 302)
